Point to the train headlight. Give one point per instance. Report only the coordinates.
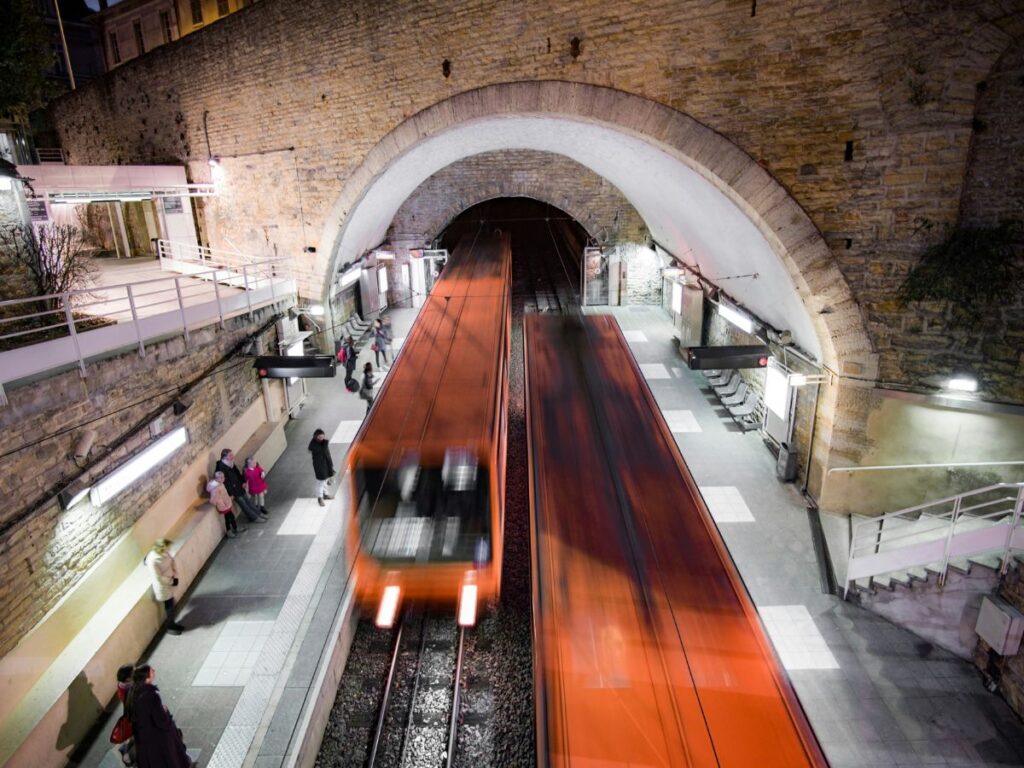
(467, 605)
(388, 607)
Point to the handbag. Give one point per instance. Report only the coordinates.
(122, 730)
(375, 347)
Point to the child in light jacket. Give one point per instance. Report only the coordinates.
(221, 500)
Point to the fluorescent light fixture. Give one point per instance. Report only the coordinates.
(405, 274)
(316, 310)
(6, 182)
(677, 298)
(352, 276)
(143, 463)
(382, 280)
(962, 384)
(736, 317)
(802, 379)
(295, 350)
(776, 391)
(388, 607)
(385, 256)
(467, 605)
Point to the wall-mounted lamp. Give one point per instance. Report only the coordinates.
(68, 498)
(309, 249)
(737, 318)
(962, 384)
(350, 277)
(316, 310)
(214, 162)
(180, 406)
(803, 379)
(143, 463)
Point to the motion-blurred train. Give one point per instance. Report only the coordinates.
(427, 468)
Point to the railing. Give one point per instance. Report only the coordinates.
(983, 521)
(46, 332)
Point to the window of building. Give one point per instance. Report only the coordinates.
(140, 43)
(222, 8)
(115, 50)
(165, 25)
(197, 12)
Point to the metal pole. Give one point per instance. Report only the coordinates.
(64, 44)
(216, 292)
(248, 297)
(66, 298)
(181, 306)
(135, 321)
(1014, 522)
(949, 540)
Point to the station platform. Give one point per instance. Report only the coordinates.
(261, 614)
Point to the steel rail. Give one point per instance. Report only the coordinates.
(453, 727)
(382, 716)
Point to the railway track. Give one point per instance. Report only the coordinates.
(405, 696)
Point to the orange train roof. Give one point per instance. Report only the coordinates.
(652, 651)
(441, 389)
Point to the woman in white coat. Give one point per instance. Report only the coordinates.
(164, 576)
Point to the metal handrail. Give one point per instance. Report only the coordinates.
(868, 537)
(135, 302)
(881, 467)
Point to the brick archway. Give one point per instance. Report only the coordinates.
(786, 228)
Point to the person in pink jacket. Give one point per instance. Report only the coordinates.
(221, 500)
(256, 483)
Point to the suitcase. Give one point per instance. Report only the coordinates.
(352, 385)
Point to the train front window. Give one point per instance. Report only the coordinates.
(422, 514)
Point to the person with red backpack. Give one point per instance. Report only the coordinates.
(347, 356)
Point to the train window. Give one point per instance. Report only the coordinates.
(422, 514)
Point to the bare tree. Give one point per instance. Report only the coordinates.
(46, 260)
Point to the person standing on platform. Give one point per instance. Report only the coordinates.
(381, 341)
(164, 577)
(323, 464)
(235, 484)
(256, 483)
(158, 741)
(124, 687)
(366, 390)
(350, 359)
(221, 501)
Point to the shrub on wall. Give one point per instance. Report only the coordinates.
(972, 270)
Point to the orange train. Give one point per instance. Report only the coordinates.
(427, 468)
(647, 647)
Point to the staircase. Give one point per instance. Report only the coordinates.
(921, 543)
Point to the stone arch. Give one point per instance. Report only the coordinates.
(796, 243)
(596, 205)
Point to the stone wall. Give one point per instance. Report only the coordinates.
(597, 205)
(863, 113)
(43, 554)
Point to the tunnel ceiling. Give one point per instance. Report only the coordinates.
(685, 213)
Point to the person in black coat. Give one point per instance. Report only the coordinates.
(323, 464)
(158, 742)
(351, 355)
(234, 482)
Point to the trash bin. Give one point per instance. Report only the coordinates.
(785, 468)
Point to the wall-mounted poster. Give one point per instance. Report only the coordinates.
(172, 205)
(37, 210)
